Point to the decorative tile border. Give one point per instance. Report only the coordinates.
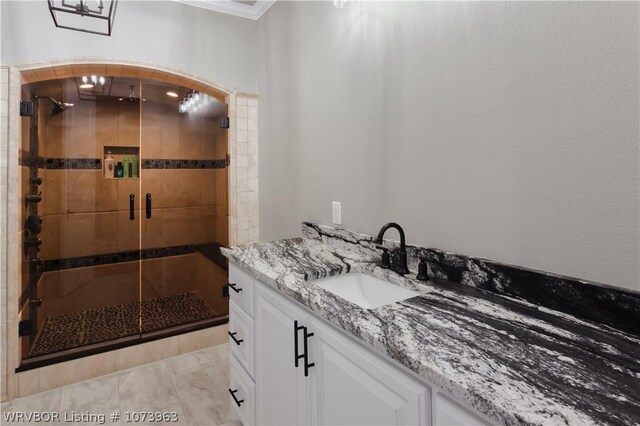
(73, 163)
(28, 160)
(184, 164)
(111, 258)
(612, 306)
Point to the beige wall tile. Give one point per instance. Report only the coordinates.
(151, 131)
(129, 123)
(53, 234)
(106, 130)
(203, 338)
(55, 197)
(106, 193)
(28, 383)
(147, 352)
(182, 188)
(81, 190)
(152, 229)
(209, 186)
(181, 226)
(80, 234)
(76, 370)
(106, 232)
(128, 231)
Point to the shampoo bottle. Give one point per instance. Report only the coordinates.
(134, 162)
(119, 170)
(126, 167)
(109, 165)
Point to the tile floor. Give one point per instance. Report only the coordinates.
(193, 385)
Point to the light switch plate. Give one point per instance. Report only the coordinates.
(336, 212)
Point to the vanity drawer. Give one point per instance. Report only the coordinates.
(241, 340)
(244, 390)
(241, 288)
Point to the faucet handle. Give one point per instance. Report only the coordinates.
(385, 263)
(422, 270)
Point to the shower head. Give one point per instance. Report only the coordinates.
(58, 106)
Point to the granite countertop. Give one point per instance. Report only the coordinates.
(515, 362)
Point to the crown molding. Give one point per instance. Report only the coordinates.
(234, 8)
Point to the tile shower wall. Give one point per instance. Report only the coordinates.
(86, 214)
(245, 169)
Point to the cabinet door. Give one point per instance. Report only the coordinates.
(281, 388)
(448, 413)
(352, 386)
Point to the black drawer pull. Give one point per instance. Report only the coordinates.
(296, 329)
(233, 395)
(233, 336)
(234, 287)
(307, 365)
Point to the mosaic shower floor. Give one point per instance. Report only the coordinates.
(68, 331)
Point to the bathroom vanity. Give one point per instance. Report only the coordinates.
(290, 367)
(304, 351)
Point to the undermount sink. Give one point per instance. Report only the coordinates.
(365, 291)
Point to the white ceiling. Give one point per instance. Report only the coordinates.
(245, 9)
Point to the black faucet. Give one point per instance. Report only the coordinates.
(399, 264)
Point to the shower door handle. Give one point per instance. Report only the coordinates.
(132, 206)
(148, 206)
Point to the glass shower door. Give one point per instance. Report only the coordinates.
(81, 267)
(183, 171)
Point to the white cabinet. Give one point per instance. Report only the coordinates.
(241, 285)
(241, 337)
(281, 388)
(352, 386)
(337, 380)
(242, 393)
(448, 413)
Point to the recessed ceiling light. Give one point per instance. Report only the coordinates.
(86, 86)
(172, 94)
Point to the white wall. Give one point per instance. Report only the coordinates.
(503, 130)
(218, 47)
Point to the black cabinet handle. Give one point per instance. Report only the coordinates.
(233, 336)
(233, 287)
(296, 329)
(132, 206)
(148, 206)
(307, 366)
(233, 395)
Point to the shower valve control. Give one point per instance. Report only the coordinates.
(33, 198)
(26, 108)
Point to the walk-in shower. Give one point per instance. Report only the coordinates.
(124, 208)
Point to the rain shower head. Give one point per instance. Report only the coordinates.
(58, 107)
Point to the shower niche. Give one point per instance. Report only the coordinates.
(110, 262)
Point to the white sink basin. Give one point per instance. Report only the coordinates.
(365, 291)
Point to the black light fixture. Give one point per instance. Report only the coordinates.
(88, 16)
